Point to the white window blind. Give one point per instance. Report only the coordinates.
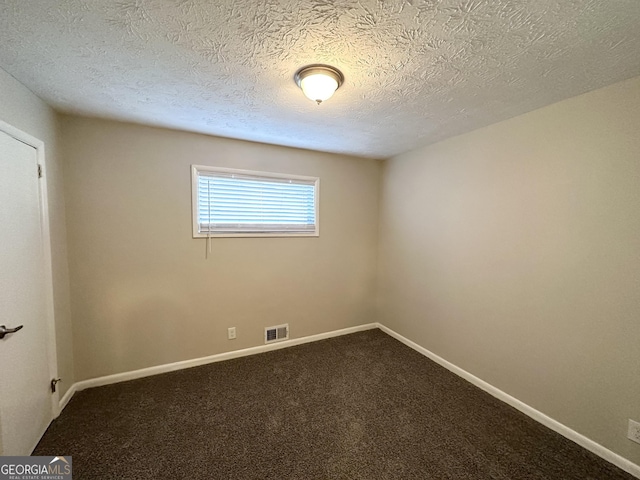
(244, 203)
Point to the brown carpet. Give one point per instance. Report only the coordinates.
(361, 406)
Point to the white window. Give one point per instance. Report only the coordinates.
(243, 203)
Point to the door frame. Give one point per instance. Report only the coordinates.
(52, 354)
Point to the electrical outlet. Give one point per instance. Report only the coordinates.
(231, 333)
(634, 431)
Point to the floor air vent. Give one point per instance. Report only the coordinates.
(276, 334)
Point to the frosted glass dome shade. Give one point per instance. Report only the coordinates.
(319, 87)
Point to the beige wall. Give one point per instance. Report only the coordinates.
(514, 252)
(143, 293)
(23, 110)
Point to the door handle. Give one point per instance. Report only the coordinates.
(4, 330)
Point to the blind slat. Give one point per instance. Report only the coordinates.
(256, 184)
(273, 209)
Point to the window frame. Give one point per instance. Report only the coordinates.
(196, 169)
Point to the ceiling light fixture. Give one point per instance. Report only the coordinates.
(319, 82)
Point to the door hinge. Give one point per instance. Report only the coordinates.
(39, 171)
(54, 382)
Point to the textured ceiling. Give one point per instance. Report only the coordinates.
(416, 71)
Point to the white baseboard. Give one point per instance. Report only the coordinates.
(171, 367)
(603, 452)
(65, 398)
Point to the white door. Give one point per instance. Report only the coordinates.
(25, 399)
